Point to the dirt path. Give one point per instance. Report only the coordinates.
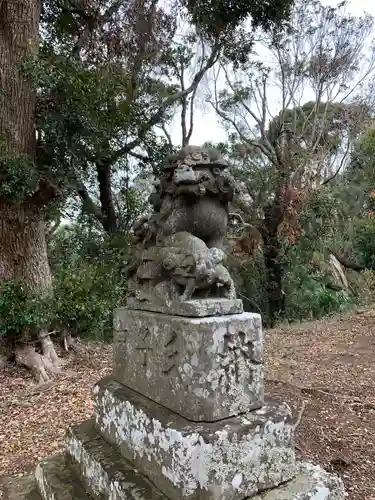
(33, 426)
(325, 368)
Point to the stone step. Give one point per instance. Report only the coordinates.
(227, 460)
(21, 488)
(311, 482)
(56, 481)
(105, 473)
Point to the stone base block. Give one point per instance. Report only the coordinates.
(198, 308)
(311, 483)
(205, 369)
(227, 460)
(20, 488)
(104, 472)
(55, 481)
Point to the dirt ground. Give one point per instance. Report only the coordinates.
(324, 370)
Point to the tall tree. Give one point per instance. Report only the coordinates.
(21, 230)
(23, 254)
(83, 85)
(137, 77)
(313, 77)
(97, 65)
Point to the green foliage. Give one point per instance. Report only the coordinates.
(85, 296)
(23, 312)
(250, 282)
(101, 76)
(221, 18)
(364, 287)
(88, 284)
(335, 119)
(88, 279)
(308, 292)
(364, 241)
(362, 165)
(330, 219)
(308, 287)
(19, 176)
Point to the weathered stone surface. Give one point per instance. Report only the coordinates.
(311, 483)
(202, 368)
(55, 481)
(105, 473)
(20, 488)
(179, 247)
(231, 459)
(190, 308)
(181, 267)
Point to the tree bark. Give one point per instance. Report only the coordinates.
(19, 38)
(274, 286)
(272, 251)
(108, 211)
(23, 251)
(23, 256)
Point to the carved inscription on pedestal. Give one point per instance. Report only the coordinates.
(171, 353)
(171, 365)
(144, 347)
(205, 369)
(237, 351)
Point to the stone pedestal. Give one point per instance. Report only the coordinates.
(230, 459)
(183, 416)
(204, 369)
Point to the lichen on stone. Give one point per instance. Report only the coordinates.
(238, 458)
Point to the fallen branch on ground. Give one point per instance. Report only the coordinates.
(315, 390)
(300, 414)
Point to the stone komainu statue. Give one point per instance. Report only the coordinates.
(180, 246)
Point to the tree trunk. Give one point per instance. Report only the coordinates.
(19, 38)
(109, 219)
(23, 249)
(23, 256)
(23, 252)
(273, 216)
(274, 286)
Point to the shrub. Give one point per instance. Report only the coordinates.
(363, 286)
(89, 282)
(85, 296)
(364, 241)
(23, 313)
(308, 294)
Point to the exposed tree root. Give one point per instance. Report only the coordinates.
(48, 349)
(67, 341)
(42, 365)
(3, 361)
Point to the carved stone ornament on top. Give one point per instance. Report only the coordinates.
(179, 247)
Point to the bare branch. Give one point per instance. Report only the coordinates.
(167, 135)
(340, 166)
(88, 204)
(324, 54)
(346, 262)
(177, 96)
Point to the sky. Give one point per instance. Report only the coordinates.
(206, 126)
